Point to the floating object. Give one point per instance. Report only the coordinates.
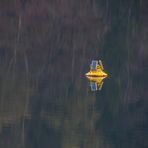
(96, 75)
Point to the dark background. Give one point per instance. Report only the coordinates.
(46, 47)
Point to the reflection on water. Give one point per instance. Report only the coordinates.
(96, 75)
(44, 54)
(96, 83)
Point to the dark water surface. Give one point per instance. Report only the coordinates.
(45, 50)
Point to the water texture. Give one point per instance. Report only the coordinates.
(46, 47)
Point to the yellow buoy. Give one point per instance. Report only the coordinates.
(96, 75)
